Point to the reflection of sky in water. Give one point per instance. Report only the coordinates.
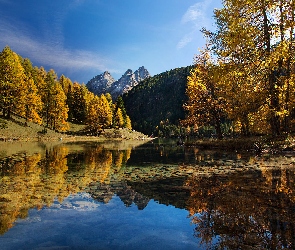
(82, 223)
(217, 189)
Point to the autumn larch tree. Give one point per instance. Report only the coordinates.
(127, 121)
(56, 110)
(205, 106)
(104, 112)
(92, 119)
(30, 104)
(12, 81)
(118, 119)
(257, 35)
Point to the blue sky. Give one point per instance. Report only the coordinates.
(84, 38)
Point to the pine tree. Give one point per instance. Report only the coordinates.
(76, 100)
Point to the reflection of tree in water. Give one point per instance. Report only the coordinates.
(244, 211)
(34, 181)
(115, 184)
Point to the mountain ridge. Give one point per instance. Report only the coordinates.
(105, 83)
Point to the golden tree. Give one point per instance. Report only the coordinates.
(128, 123)
(104, 112)
(205, 106)
(256, 39)
(12, 81)
(92, 120)
(118, 119)
(66, 84)
(31, 104)
(56, 110)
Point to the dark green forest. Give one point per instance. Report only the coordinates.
(155, 106)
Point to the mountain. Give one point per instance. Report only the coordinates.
(101, 83)
(105, 83)
(157, 102)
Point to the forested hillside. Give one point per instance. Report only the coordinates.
(156, 105)
(41, 97)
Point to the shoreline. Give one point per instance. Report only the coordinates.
(15, 130)
(71, 138)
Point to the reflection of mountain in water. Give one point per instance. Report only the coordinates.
(170, 191)
(246, 204)
(246, 210)
(104, 193)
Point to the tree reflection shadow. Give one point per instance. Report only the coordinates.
(232, 204)
(35, 181)
(252, 210)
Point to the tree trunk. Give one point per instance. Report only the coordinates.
(274, 102)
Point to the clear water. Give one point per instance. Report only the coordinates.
(151, 196)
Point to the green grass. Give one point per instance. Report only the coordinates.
(15, 129)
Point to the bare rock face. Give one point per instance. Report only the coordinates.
(105, 83)
(100, 83)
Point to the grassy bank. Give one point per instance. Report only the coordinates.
(15, 129)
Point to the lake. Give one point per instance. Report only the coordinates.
(136, 195)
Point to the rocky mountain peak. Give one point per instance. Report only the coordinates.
(106, 74)
(100, 83)
(128, 72)
(105, 83)
(141, 74)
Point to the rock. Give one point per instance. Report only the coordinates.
(105, 83)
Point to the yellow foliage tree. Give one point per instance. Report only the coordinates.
(56, 109)
(31, 104)
(254, 39)
(93, 125)
(128, 122)
(119, 120)
(12, 81)
(104, 112)
(205, 106)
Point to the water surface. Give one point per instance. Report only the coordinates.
(151, 196)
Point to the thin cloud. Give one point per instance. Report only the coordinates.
(185, 40)
(49, 53)
(197, 17)
(197, 12)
